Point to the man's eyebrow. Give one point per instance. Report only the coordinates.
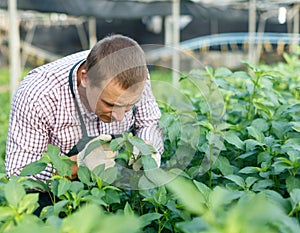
(117, 105)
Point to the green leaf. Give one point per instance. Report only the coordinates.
(232, 138)
(247, 154)
(165, 120)
(76, 186)
(210, 71)
(60, 206)
(185, 191)
(85, 220)
(6, 213)
(223, 164)
(265, 107)
(53, 150)
(250, 65)
(98, 192)
(33, 168)
(222, 72)
(252, 144)
(249, 170)
(250, 88)
(123, 156)
(31, 224)
(145, 184)
(174, 130)
(62, 167)
(292, 182)
(295, 196)
(116, 143)
(146, 219)
(206, 124)
(203, 189)
(111, 196)
(196, 225)
(109, 175)
(219, 197)
(291, 143)
(92, 146)
(94, 200)
(14, 192)
(29, 203)
(128, 210)
(140, 144)
(236, 179)
(240, 74)
(280, 127)
(84, 175)
(260, 124)
(148, 162)
(160, 196)
(34, 184)
(64, 186)
(99, 170)
(179, 172)
(293, 109)
(280, 166)
(250, 181)
(262, 185)
(256, 133)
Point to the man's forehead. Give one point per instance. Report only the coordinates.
(115, 94)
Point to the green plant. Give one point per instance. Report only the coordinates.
(230, 165)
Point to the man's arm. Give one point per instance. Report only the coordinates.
(28, 134)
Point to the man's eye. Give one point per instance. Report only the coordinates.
(109, 105)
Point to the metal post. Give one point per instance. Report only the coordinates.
(252, 32)
(14, 46)
(92, 31)
(295, 28)
(168, 40)
(176, 40)
(261, 29)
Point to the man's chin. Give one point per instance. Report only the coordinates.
(106, 119)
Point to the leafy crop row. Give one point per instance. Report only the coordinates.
(231, 165)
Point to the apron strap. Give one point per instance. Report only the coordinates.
(83, 128)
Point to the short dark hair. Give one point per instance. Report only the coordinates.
(116, 57)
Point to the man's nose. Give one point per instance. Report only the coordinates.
(118, 113)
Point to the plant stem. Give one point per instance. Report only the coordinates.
(210, 165)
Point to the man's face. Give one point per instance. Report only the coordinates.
(111, 102)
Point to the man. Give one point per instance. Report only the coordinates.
(105, 91)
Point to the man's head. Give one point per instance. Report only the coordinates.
(114, 76)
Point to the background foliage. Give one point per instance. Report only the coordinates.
(230, 165)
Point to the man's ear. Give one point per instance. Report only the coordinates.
(83, 78)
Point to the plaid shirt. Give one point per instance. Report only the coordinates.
(43, 112)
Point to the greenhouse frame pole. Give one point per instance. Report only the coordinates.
(176, 40)
(295, 28)
(92, 22)
(14, 46)
(252, 31)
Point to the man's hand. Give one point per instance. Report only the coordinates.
(97, 152)
(74, 167)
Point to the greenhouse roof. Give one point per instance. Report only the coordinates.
(206, 9)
